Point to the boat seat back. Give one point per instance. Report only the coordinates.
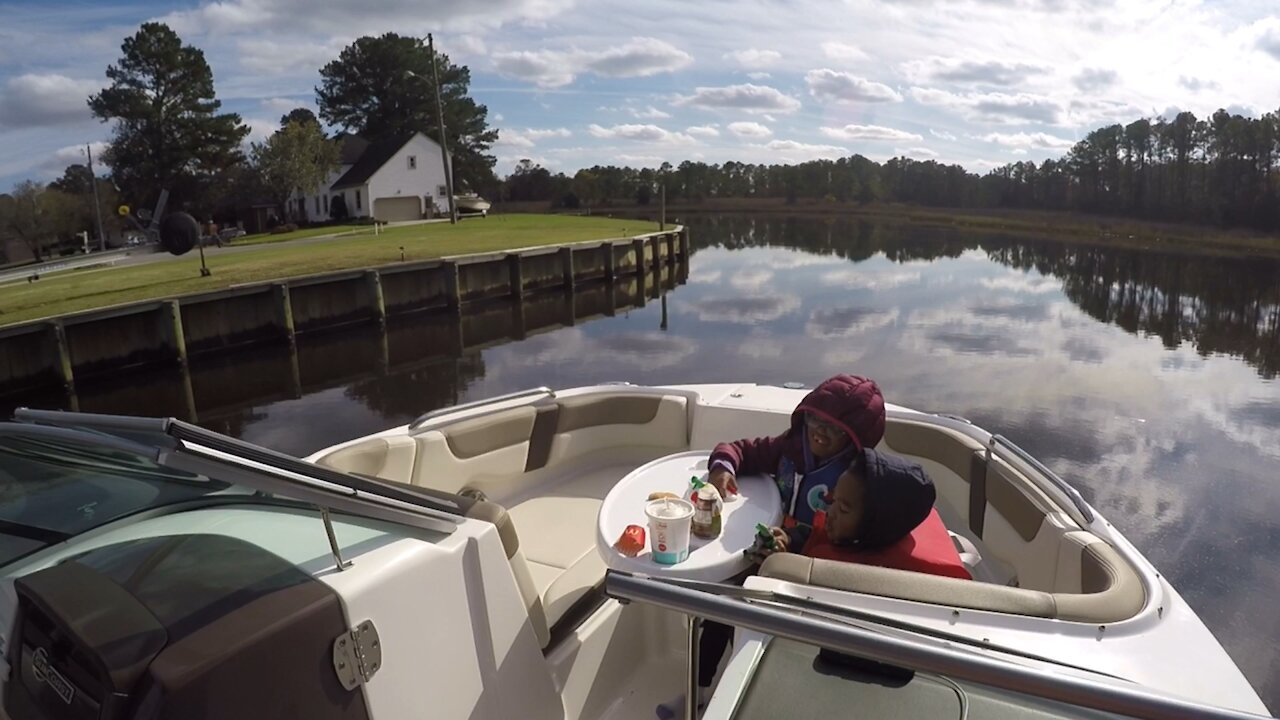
(550, 464)
(1013, 532)
(390, 458)
(1112, 590)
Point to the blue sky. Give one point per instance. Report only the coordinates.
(573, 83)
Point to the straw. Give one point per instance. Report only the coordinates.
(666, 506)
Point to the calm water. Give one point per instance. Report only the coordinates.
(1145, 378)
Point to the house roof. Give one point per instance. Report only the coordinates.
(351, 147)
(375, 155)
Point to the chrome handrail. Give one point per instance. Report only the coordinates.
(916, 652)
(531, 392)
(999, 441)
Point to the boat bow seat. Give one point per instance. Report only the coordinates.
(549, 464)
(1110, 590)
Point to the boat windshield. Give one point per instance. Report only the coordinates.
(57, 485)
(798, 680)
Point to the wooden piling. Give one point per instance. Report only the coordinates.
(170, 330)
(566, 267)
(283, 311)
(516, 268)
(61, 354)
(373, 286)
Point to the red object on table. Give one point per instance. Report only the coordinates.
(928, 549)
(631, 542)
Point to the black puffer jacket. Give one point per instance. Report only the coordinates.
(899, 496)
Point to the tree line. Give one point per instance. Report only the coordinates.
(1223, 171)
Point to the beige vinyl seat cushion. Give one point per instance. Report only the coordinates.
(1110, 590)
(550, 466)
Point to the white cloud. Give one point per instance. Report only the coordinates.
(703, 131)
(915, 152)
(1195, 84)
(1023, 283)
(59, 159)
(857, 279)
(35, 100)
(759, 75)
(941, 134)
(842, 52)
(1095, 79)
(753, 130)
(1037, 140)
(260, 129)
(544, 68)
(276, 56)
(827, 84)
(793, 151)
(1269, 40)
(751, 278)
(408, 17)
(754, 59)
(844, 322)
(993, 107)
(284, 105)
(743, 310)
(746, 97)
(649, 113)
(468, 45)
(974, 72)
(868, 132)
(527, 138)
(640, 57)
(639, 160)
(640, 133)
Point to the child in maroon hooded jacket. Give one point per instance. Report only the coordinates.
(829, 429)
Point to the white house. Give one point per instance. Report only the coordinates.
(397, 179)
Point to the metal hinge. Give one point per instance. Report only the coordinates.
(357, 655)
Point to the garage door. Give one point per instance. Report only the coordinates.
(397, 208)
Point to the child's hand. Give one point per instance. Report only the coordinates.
(724, 481)
(780, 542)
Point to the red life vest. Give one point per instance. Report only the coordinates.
(928, 549)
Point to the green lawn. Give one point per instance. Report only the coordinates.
(83, 290)
(264, 238)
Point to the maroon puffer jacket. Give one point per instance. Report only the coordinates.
(847, 401)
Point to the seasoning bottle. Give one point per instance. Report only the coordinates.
(707, 521)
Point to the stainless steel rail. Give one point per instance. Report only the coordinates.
(531, 392)
(919, 654)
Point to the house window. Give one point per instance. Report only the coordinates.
(317, 204)
(442, 191)
(357, 199)
(413, 162)
(326, 205)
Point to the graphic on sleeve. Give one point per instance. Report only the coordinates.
(819, 498)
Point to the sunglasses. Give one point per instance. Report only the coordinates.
(822, 427)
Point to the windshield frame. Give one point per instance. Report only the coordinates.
(780, 615)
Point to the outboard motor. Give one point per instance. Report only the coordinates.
(180, 626)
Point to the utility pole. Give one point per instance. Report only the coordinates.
(444, 144)
(97, 206)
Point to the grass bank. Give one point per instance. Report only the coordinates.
(165, 276)
(304, 233)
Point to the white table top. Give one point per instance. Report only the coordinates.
(758, 501)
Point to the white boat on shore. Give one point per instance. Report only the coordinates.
(452, 565)
(471, 203)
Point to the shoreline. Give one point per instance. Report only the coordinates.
(1094, 229)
